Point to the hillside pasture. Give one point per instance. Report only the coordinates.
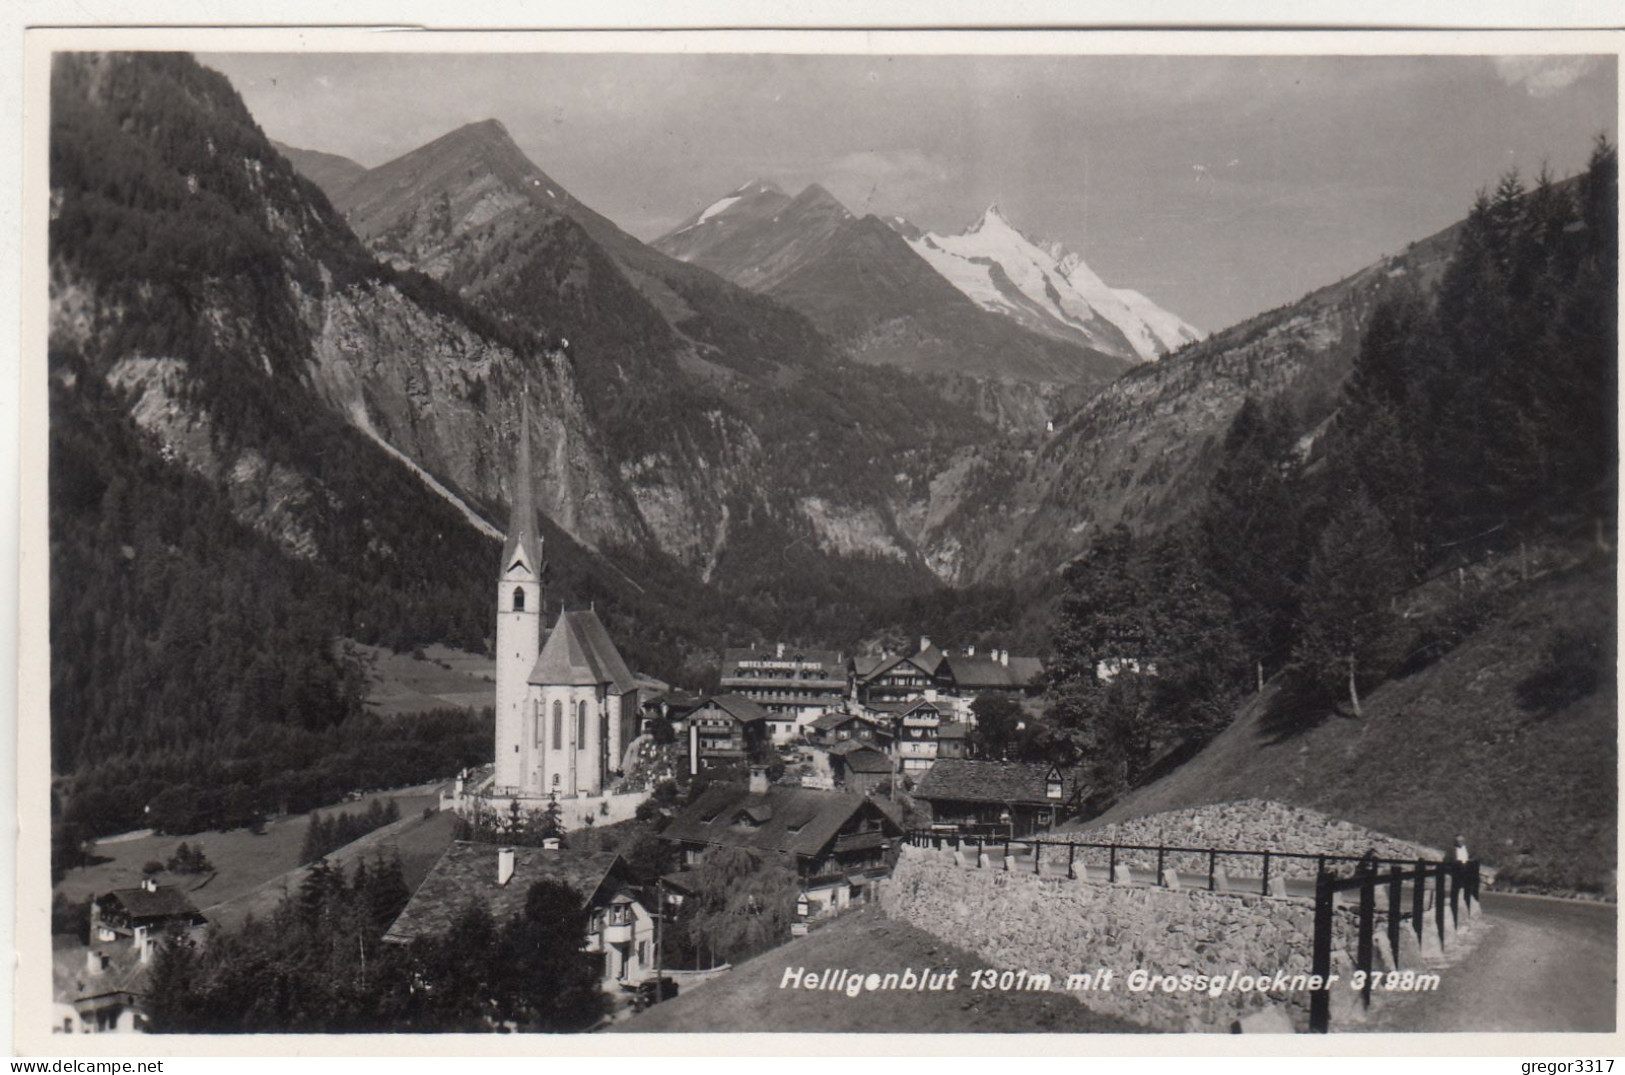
(444, 678)
(1508, 739)
(241, 859)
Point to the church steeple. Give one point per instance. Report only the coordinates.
(524, 541)
(519, 628)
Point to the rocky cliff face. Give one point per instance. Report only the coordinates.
(1140, 451)
(696, 388)
(857, 279)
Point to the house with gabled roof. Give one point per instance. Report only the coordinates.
(793, 684)
(914, 726)
(620, 928)
(1005, 798)
(838, 726)
(726, 729)
(103, 987)
(897, 678)
(970, 675)
(836, 842)
(859, 767)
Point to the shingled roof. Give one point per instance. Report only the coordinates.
(798, 821)
(828, 722)
(523, 544)
(737, 706)
(866, 760)
(984, 673)
(967, 781)
(72, 980)
(579, 653)
(138, 904)
(467, 872)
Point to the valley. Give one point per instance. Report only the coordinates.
(779, 491)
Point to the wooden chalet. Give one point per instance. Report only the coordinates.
(725, 729)
(1000, 798)
(836, 842)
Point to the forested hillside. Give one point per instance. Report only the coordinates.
(1477, 427)
(216, 527)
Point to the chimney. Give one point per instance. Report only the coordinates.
(149, 884)
(780, 651)
(504, 865)
(970, 650)
(143, 943)
(95, 962)
(925, 643)
(758, 780)
(1004, 657)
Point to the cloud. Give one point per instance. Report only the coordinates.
(900, 179)
(1543, 76)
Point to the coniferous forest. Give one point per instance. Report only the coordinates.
(1477, 419)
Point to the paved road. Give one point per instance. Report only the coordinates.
(1544, 965)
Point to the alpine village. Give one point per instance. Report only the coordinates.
(466, 616)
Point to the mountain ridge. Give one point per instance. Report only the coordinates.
(861, 284)
(1044, 286)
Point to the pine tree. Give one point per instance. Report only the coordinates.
(1248, 532)
(1347, 626)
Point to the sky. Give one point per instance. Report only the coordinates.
(1218, 186)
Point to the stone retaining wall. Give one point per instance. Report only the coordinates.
(1022, 921)
(1252, 823)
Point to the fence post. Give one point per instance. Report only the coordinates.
(1212, 866)
(1438, 902)
(1161, 877)
(1320, 1000)
(1111, 874)
(1394, 884)
(1455, 894)
(1071, 855)
(1368, 914)
(1419, 898)
(1037, 849)
(1266, 889)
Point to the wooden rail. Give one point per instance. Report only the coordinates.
(1462, 880)
(1264, 857)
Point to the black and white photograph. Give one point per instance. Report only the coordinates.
(938, 534)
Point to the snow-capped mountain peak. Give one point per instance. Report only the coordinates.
(1048, 288)
(760, 186)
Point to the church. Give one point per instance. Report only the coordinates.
(566, 703)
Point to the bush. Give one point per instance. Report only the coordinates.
(1571, 668)
(189, 859)
(153, 866)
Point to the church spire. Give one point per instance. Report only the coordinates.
(524, 540)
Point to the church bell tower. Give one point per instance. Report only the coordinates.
(519, 620)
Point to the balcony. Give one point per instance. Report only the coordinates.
(618, 933)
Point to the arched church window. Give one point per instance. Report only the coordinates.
(519, 599)
(558, 725)
(581, 723)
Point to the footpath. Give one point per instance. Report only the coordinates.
(1547, 966)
